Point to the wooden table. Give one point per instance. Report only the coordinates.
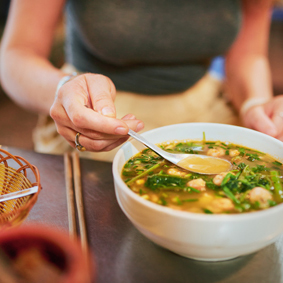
(122, 254)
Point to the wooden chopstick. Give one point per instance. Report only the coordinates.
(70, 195)
(79, 200)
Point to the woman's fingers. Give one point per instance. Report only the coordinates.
(85, 105)
(274, 109)
(102, 94)
(91, 144)
(277, 119)
(130, 121)
(257, 119)
(97, 141)
(100, 145)
(85, 118)
(267, 118)
(70, 105)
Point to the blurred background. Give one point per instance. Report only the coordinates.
(16, 124)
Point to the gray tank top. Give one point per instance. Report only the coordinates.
(149, 46)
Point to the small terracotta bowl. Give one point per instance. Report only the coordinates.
(54, 246)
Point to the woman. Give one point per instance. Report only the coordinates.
(151, 56)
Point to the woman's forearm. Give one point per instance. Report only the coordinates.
(29, 79)
(247, 65)
(251, 80)
(26, 74)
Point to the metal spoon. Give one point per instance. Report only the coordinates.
(197, 163)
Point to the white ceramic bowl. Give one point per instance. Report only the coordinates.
(200, 236)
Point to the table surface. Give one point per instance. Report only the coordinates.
(121, 252)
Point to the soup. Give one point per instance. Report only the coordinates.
(255, 181)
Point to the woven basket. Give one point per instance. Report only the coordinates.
(16, 174)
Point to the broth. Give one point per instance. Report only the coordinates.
(255, 181)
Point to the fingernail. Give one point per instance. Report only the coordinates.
(130, 117)
(121, 131)
(107, 111)
(139, 126)
(271, 132)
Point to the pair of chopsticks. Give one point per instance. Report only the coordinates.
(74, 195)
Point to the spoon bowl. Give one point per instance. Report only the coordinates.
(197, 163)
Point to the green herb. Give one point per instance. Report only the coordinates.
(277, 163)
(244, 195)
(237, 173)
(277, 185)
(207, 211)
(193, 190)
(230, 195)
(242, 165)
(253, 156)
(242, 151)
(177, 200)
(147, 166)
(203, 137)
(129, 173)
(144, 173)
(211, 185)
(163, 201)
(272, 202)
(264, 182)
(226, 178)
(165, 182)
(256, 205)
(246, 206)
(259, 168)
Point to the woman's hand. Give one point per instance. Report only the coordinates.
(85, 105)
(267, 118)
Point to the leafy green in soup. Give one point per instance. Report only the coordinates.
(255, 181)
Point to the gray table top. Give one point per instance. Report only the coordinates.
(122, 253)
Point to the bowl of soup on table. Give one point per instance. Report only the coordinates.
(204, 217)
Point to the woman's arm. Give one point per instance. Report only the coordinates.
(26, 74)
(30, 80)
(248, 71)
(247, 60)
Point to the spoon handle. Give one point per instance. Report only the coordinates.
(18, 194)
(150, 145)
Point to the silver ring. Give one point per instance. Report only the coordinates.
(79, 147)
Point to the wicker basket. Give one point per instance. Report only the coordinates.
(16, 174)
